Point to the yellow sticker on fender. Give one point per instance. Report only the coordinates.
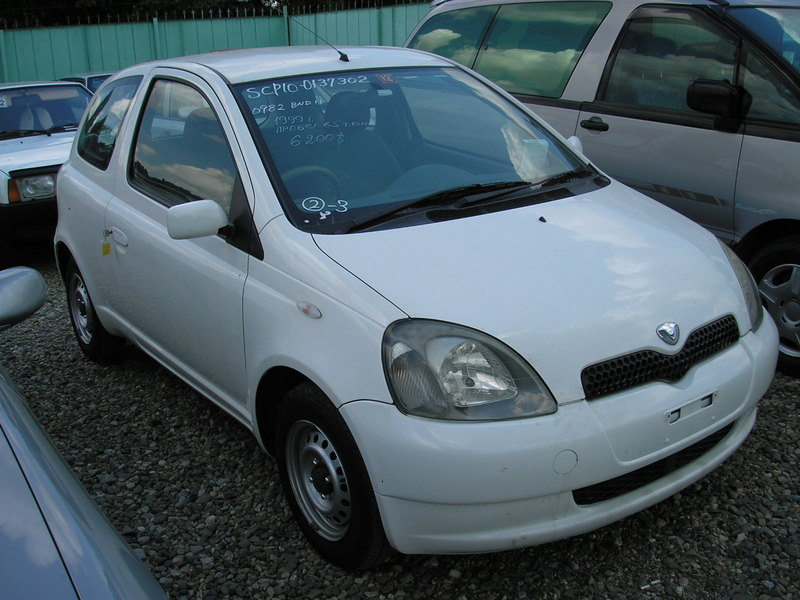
(106, 249)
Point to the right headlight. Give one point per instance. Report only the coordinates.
(749, 289)
(445, 371)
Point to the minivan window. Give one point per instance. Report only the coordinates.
(533, 48)
(659, 57)
(772, 100)
(530, 48)
(456, 34)
(777, 27)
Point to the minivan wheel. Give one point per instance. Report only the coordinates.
(776, 269)
(95, 342)
(326, 482)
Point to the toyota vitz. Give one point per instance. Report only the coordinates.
(454, 333)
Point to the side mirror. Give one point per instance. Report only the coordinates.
(22, 292)
(196, 219)
(718, 97)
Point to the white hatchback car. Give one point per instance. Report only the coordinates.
(454, 333)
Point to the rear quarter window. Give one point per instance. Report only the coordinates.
(98, 136)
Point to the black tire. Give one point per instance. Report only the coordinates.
(776, 269)
(326, 482)
(95, 342)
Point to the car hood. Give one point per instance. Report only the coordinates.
(566, 283)
(35, 151)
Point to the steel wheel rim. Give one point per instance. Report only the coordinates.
(780, 291)
(318, 480)
(80, 308)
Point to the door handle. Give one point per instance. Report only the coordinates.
(119, 237)
(594, 124)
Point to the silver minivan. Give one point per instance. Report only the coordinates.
(696, 103)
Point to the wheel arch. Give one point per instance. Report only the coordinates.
(63, 256)
(764, 234)
(272, 389)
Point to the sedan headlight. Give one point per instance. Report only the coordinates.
(444, 371)
(749, 289)
(31, 188)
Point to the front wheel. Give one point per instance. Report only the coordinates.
(776, 269)
(326, 482)
(95, 342)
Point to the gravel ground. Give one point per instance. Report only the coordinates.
(195, 496)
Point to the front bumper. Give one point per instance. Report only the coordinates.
(445, 487)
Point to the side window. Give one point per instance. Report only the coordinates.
(659, 57)
(180, 153)
(455, 34)
(533, 48)
(772, 100)
(99, 133)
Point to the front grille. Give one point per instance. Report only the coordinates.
(606, 490)
(645, 366)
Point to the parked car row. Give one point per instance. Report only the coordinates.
(315, 241)
(696, 103)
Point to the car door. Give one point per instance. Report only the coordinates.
(640, 128)
(768, 180)
(181, 299)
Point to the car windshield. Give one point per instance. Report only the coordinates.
(41, 109)
(778, 27)
(360, 148)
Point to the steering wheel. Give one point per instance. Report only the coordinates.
(310, 180)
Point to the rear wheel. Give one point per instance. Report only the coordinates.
(776, 269)
(326, 482)
(95, 342)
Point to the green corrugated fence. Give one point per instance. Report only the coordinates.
(51, 53)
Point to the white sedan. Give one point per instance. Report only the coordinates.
(454, 332)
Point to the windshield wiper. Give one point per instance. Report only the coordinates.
(563, 178)
(59, 128)
(20, 132)
(456, 197)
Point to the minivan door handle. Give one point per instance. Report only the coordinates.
(594, 124)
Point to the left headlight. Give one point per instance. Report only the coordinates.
(749, 289)
(33, 187)
(445, 371)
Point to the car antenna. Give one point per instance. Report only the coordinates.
(342, 56)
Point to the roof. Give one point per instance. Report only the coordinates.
(240, 66)
(23, 84)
